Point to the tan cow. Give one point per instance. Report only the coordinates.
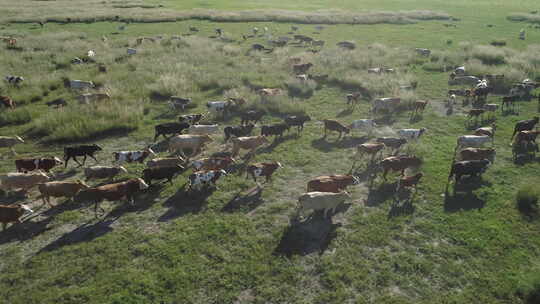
(250, 143)
(24, 181)
(60, 189)
(193, 142)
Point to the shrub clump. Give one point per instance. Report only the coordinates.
(527, 201)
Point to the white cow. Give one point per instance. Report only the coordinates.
(411, 133)
(423, 52)
(363, 124)
(217, 106)
(321, 201)
(472, 141)
(25, 181)
(203, 129)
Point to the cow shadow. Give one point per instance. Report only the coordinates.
(322, 144)
(462, 201)
(64, 175)
(380, 194)
(60, 207)
(142, 201)
(305, 237)
(508, 112)
(161, 146)
(387, 120)
(248, 202)
(276, 142)
(27, 230)
(345, 112)
(12, 197)
(416, 118)
(468, 184)
(84, 233)
(183, 202)
(352, 141)
(405, 208)
(368, 173)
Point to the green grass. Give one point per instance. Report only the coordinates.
(175, 249)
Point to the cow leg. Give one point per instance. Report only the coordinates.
(92, 156)
(75, 159)
(4, 226)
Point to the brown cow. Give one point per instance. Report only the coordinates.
(7, 102)
(475, 113)
(487, 131)
(368, 148)
(250, 143)
(410, 181)
(331, 183)
(12, 214)
(114, 192)
(334, 125)
(477, 154)
(262, 169)
(399, 163)
(420, 106)
(526, 136)
(31, 164)
(60, 189)
(212, 163)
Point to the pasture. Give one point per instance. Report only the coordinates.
(477, 243)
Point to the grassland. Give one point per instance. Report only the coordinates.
(475, 246)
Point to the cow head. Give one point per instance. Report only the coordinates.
(422, 131)
(149, 150)
(57, 161)
(41, 176)
(26, 209)
(82, 185)
(96, 148)
(263, 140)
(207, 138)
(122, 169)
(279, 165)
(19, 139)
(142, 184)
(355, 180)
(222, 172)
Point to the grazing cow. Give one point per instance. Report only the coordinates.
(262, 169)
(392, 142)
(332, 183)
(368, 148)
(250, 143)
(92, 97)
(79, 84)
(200, 179)
(13, 214)
(297, 121)
(193, 142)
(238, 131)
(7, 102)
(9, 142)
(103, 172)
(218, 106)
(177, 102)
(475, 113)
(251, 116)
(203, 129)
(423, 52)
(488, 131)
(477, 154)
(411, 134)
(524, 125)
(191, 119)
(353, 99)
(85, 150)
(410, 181)
(466, 141)
(24, 181)
(468, 167)
(336, 126)
(301, 68)
(346, 45)
(420, 106)
(30, 164)
(170, 128)
(15, 80)
(113, 192)
(399, 163)
(59, 102)
(460, 71)
(60, 189)
(165, 162)
(363, 124)
(275, 129)
(321, 201)
(132, 156)
(389, 104)
(526, 136)
(168, 173)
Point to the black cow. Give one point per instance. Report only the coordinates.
(276, 129)
(524, 125)
(57, 102)
(468, 167)
(85, 150)
(170, 128)
(251, 116)
(297, 121)
(161, 173)
(238, 131)
(192, 119)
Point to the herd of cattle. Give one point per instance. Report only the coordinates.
(190, 134)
